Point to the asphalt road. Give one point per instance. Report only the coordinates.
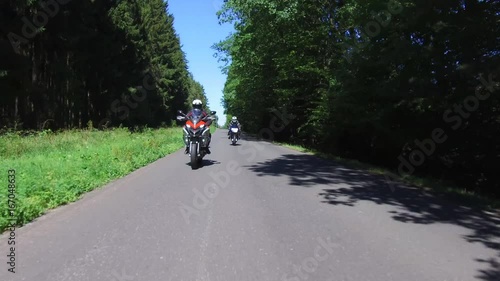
(256, 211)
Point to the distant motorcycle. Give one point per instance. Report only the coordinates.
(234, 134)
(196, 135)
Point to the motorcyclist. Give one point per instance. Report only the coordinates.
(234, 122)
(198, 106)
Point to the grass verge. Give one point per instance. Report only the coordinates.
(54, 169)
(430, 184)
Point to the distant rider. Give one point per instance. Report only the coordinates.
(232, 123)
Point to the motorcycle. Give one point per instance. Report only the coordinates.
(196, 135)
(234, 134)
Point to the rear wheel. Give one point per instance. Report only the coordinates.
(194, 155)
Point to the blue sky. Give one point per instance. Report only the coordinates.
(196, 23)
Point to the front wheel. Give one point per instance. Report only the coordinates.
(194, 155)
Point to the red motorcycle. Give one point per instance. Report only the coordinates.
(196, 134)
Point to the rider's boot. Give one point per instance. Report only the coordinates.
(208, 144)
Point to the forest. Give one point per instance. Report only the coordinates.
(404, 84)
(68, 64)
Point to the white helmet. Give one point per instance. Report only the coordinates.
(234, 118)
(197, 104)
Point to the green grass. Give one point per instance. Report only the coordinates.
(431, 184)
(54, 169)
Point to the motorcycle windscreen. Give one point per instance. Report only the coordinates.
(197, 115)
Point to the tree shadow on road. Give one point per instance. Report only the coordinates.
(492, 273)
(348, 186)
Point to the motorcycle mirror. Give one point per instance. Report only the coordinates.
(213, 112)
(180, 112)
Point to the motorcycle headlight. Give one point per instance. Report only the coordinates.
(187, 125)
